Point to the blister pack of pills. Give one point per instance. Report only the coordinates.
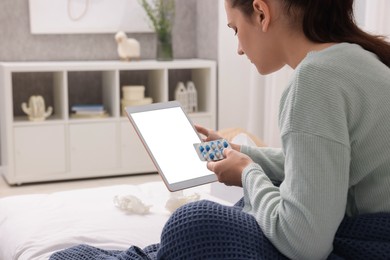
(211, 151)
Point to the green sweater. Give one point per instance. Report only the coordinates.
(335, 130)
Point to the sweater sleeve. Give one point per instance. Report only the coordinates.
(270, 159)
(301, 216)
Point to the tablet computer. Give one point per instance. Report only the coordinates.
(168, 135)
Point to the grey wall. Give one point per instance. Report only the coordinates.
(194, 35)
(207, 29)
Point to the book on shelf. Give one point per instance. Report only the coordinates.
(75, 115)
(103, 114)
(88, 111)
(92, 112)
(77, 108)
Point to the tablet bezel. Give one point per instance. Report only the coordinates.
(164, 105)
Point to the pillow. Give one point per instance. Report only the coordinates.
(240, 136)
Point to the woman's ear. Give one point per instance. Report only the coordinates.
(262, 13)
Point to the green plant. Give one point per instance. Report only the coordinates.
(161, 14)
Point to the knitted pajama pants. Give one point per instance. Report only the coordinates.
(208, 230)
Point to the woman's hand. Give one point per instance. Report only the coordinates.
(229, 170)
(211, 135)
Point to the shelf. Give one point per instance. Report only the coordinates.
(91, 120)
(62, 147)
(24, 121)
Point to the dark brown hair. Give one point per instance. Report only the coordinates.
(328, 21)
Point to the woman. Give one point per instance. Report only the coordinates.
(334, 120)
(335, 131)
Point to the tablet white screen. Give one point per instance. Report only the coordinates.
(170, 137)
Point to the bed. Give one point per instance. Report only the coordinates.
(35, 226)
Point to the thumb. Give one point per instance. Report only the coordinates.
(211, 166)
(226, 151)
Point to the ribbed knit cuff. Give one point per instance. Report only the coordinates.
(250, 168)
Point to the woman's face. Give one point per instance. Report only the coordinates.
(258, 45)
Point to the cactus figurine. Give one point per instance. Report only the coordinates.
(36, 109)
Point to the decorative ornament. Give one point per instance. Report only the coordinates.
(36, 109)
(192, 97)
(187, 96)
(128, 48)
(161, 14)
(181, 95)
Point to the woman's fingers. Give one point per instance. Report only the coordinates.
(209, 134)
(229, 169)
(202, 130)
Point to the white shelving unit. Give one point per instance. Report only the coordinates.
(62, 147)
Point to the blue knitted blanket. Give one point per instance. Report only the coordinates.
(208, 230)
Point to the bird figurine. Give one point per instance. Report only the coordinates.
(128, 48)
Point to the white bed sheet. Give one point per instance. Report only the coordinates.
(35, 226)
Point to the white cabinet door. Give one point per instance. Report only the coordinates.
(93, 147)
(39, 150)
(134, 155)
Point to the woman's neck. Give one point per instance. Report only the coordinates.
(297, 47)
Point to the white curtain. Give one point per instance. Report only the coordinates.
(266, 91)
(264, 104)
(377, 20)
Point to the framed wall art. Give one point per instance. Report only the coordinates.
(86, 16)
